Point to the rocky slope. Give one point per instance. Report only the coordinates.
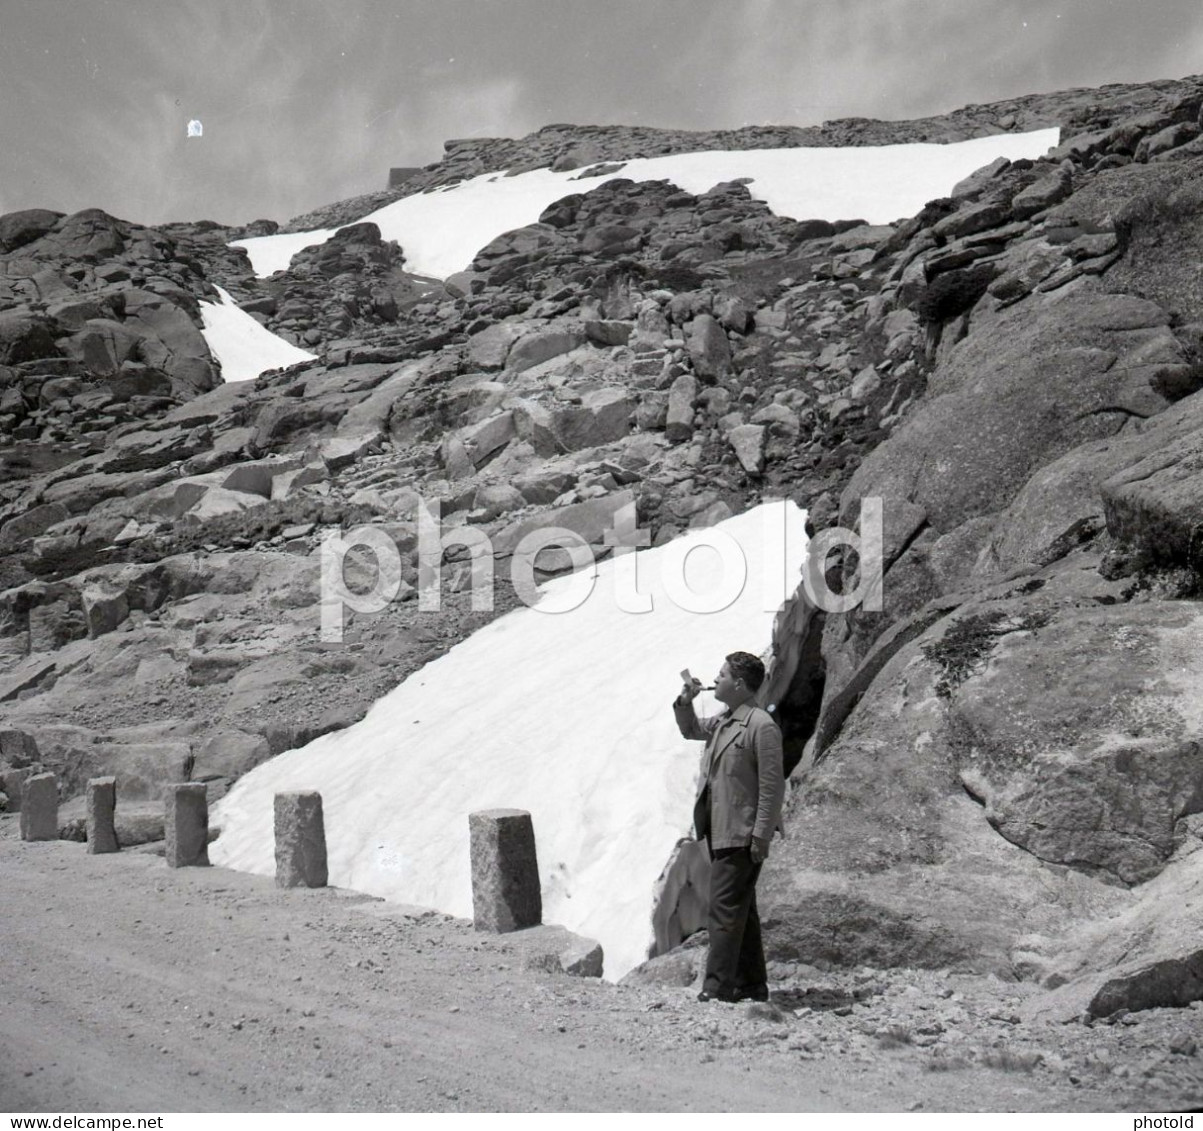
(999, 772)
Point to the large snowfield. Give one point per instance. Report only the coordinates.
(566, 715)
(441, 231)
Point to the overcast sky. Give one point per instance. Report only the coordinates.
(304, 102)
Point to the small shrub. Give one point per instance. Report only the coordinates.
(1008, 1060)
(1170, 584)
(895, 1036)
(941, 1063)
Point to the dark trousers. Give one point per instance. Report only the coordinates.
(736, 960)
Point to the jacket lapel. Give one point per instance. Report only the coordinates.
(731, 729)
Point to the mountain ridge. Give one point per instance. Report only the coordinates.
(569, 146)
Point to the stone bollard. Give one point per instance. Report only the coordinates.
(39, 808)
(505, 871)
(300, 840)
(102, 800)
(187, 826)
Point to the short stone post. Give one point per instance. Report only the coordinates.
(39, 808)
(187, 826)
(300, 840)
(102, 800)
(505, 871)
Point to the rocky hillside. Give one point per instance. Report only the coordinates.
(1000, 771)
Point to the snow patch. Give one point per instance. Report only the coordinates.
(244, 347)
(441, 231)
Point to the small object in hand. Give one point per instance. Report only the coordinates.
(691, 685)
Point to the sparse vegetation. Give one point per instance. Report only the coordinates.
(968, 642)
(1158, 580)
(895, 1036)
(1171, 584)
(941, 1063)
(1008, 1060)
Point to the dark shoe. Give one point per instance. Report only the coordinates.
(715, 995)
(752, 993)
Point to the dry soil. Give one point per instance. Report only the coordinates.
(129, 986)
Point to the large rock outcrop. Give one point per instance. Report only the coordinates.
(1003, 775)
(1007, 769)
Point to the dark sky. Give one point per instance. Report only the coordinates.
(304, 102)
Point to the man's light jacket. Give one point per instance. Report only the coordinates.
(742, 767)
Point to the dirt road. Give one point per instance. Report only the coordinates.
(128, 986)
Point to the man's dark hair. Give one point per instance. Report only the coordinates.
(744, 666)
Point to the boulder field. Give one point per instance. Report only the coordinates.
(1000, 771)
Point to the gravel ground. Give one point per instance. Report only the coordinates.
(129, 986)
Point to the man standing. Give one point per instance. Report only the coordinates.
(738, 808)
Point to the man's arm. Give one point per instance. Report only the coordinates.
(771, 779)
(688, 722)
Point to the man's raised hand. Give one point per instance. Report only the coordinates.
(690, 687)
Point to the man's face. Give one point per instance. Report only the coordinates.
(726, 687)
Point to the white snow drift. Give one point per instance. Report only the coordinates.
(441, 231)
(243, 346)
(566, 715)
